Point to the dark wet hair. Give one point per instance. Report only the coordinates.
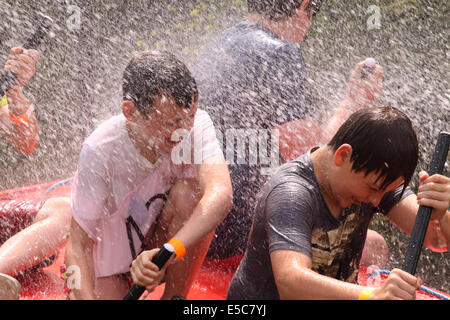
(280, 9)
(152, 73)
(383, 141)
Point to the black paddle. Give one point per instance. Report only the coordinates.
(424, 213)
(160, 259)
(8, 78)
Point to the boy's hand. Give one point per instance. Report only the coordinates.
(363, 92)
(400, 285)
(23, 64)
(144, 272)
(434, 192)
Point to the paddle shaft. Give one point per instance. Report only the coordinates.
(7, 78)
(160, 259)
(424, 213)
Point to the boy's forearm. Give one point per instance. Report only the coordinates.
(404, 215)
(24, 137)
(315, 287)
(17, 101)
(214, 204)
(437, 237)
(209, 212)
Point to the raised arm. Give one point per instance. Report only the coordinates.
(362, 93)
(297, 136)
(18, 124)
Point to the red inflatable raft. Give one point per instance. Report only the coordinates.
(211, 283)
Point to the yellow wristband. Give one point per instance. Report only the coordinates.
(3, 101)
(179, 248)
(366, 293)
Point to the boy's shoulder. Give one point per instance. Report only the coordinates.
(297, 174)
(300, 170)
(107, 133)
(108, 145)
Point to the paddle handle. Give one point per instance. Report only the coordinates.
(160, 259)
(7, 78)
(423, 214)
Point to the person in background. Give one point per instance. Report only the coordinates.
(252, 81)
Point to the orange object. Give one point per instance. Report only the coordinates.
(366, 293)
(19, 120)
(23, 118)
(179, 248)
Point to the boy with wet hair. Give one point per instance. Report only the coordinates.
(130, 194)
(146, 79)
(312, 216)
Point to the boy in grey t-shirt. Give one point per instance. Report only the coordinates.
(312, 216)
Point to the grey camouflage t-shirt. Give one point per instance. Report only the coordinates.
(291, 214)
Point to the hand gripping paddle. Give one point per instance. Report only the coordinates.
(160, 259)
(424, 213)
(8, 78)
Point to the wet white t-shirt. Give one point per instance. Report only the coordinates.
(113, 181)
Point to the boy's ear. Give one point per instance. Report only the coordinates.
(129, 110)
(342, 154)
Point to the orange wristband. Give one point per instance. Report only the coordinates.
(366, 293)
(23, 118)
(179, 248)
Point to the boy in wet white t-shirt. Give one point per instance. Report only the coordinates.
(154, 173)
